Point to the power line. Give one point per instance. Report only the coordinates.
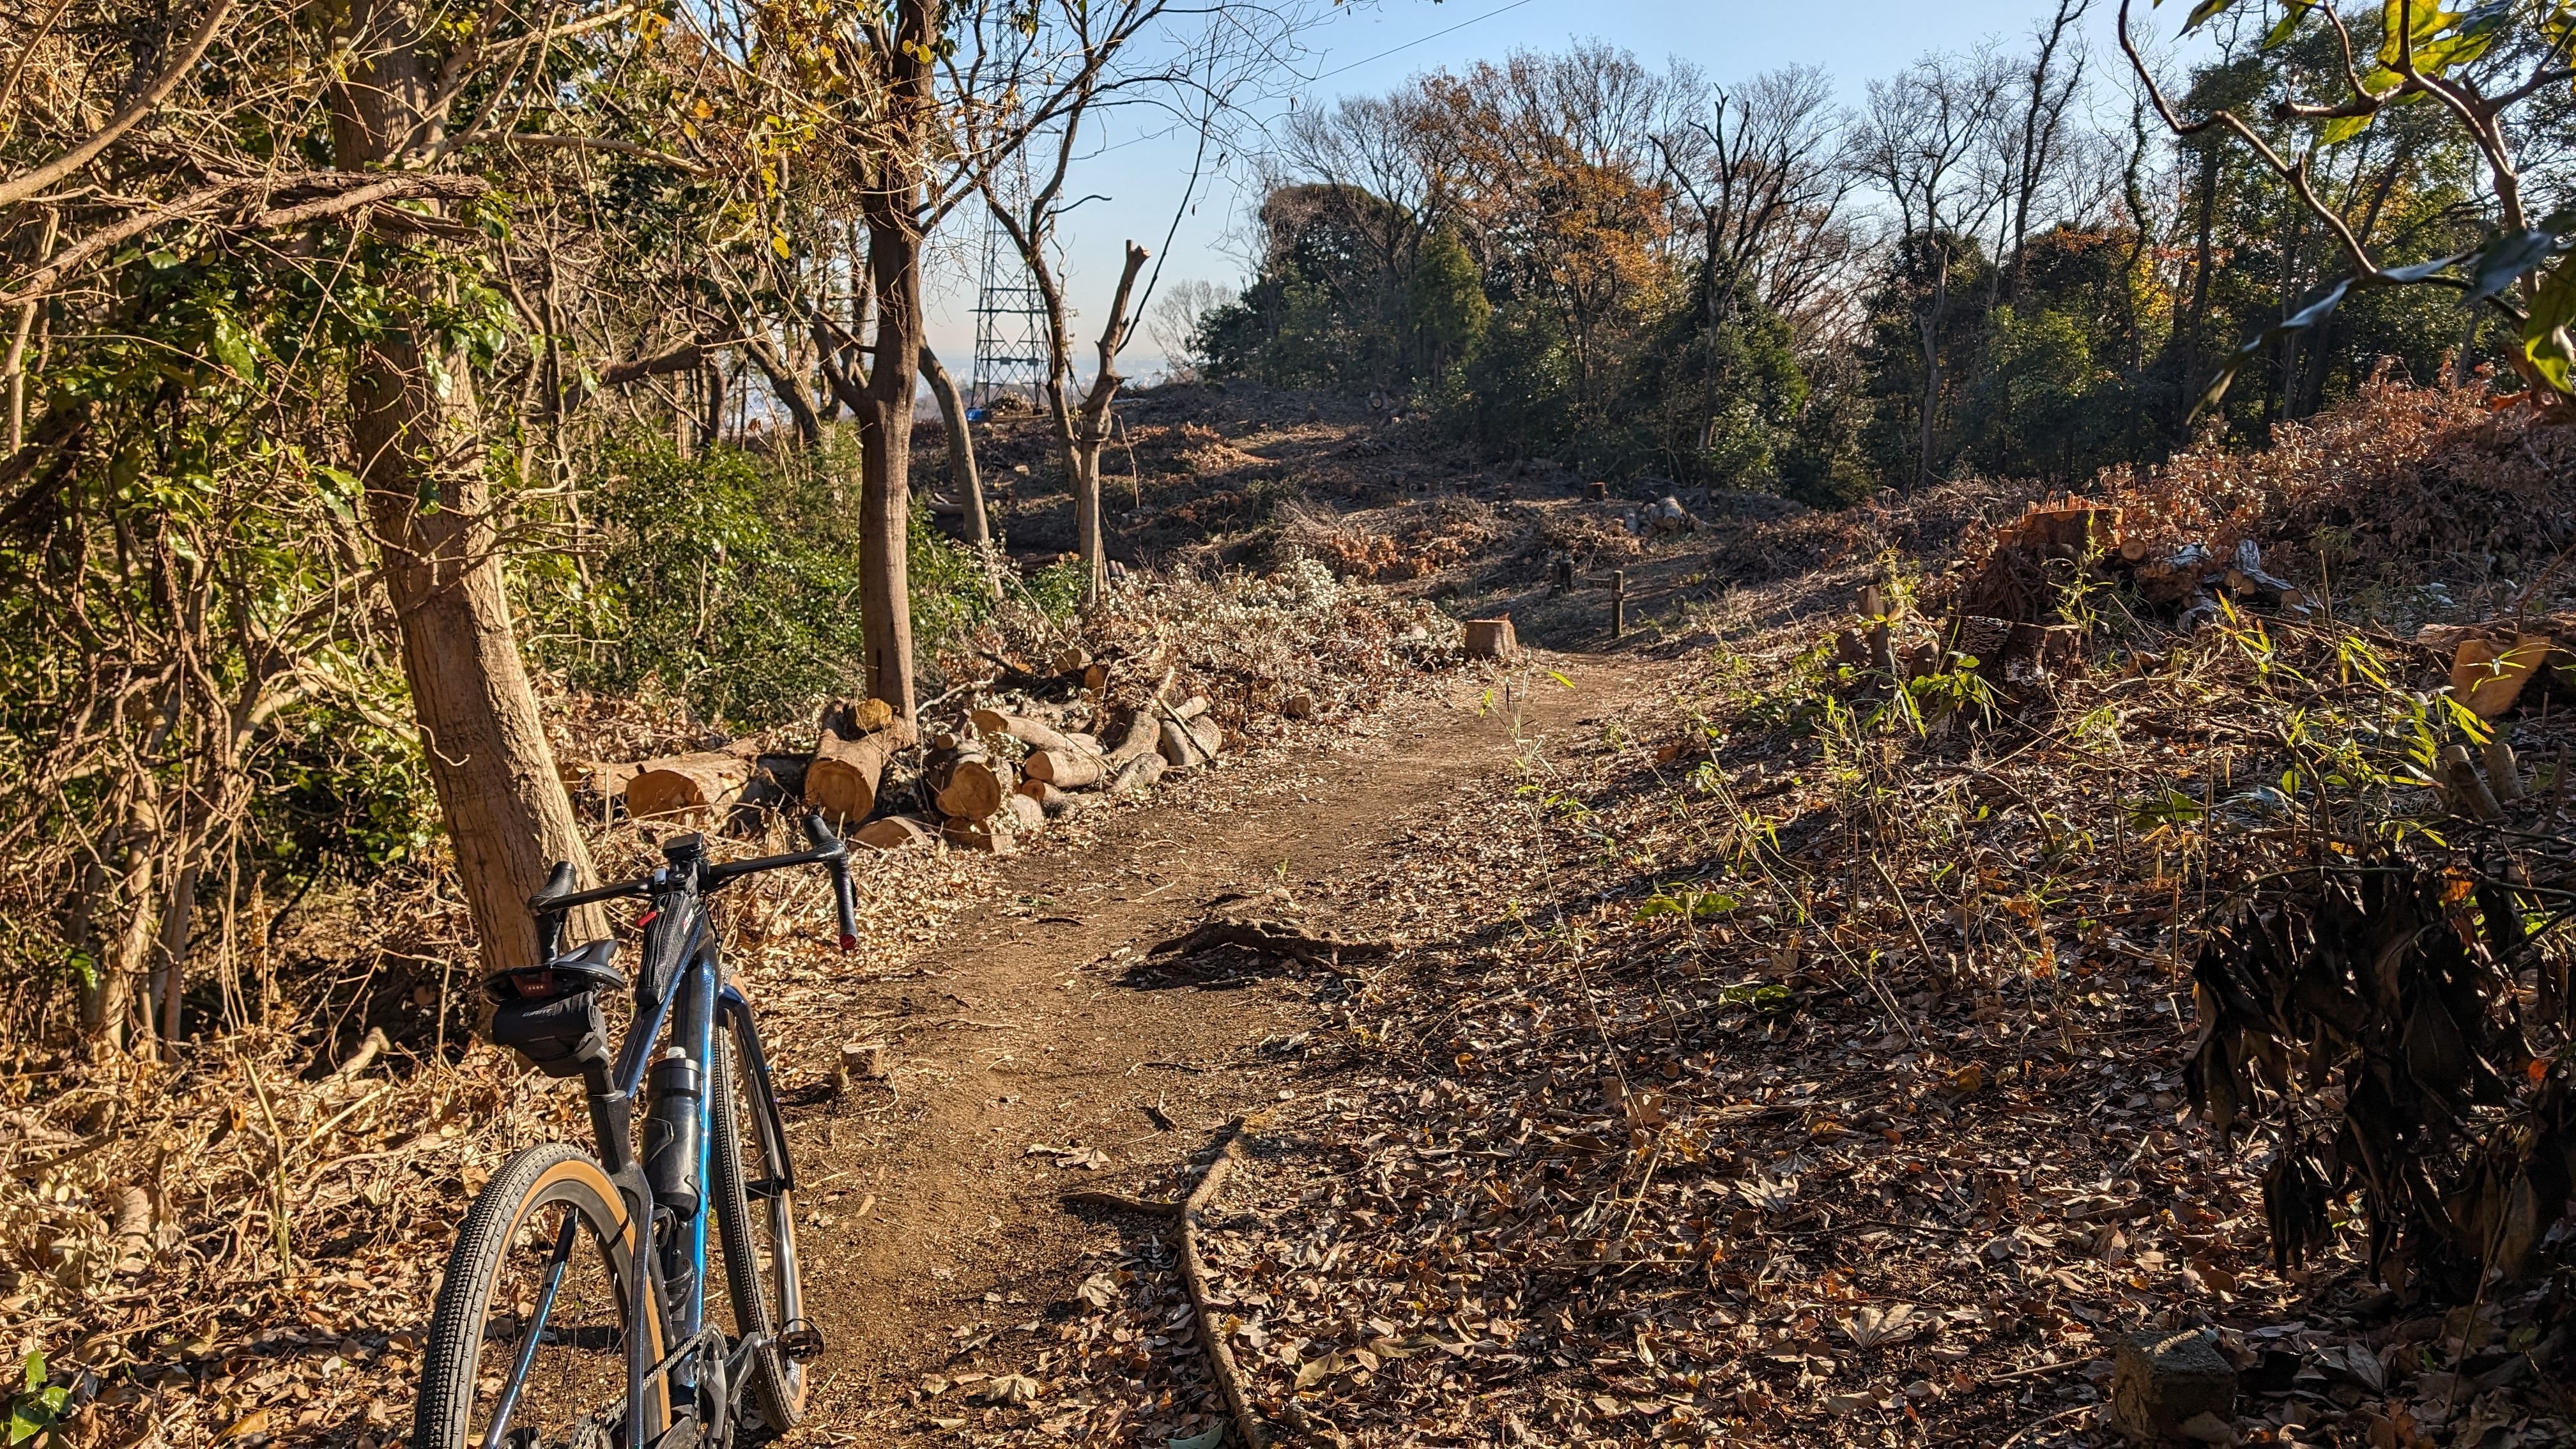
(1421, 40)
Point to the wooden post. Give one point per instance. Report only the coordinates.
(1564, 583)
(1618, 602)
(1600, 491)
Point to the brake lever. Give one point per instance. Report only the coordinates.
(843, 897)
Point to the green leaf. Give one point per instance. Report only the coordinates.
(39, 1407)
(2204, 12)
(2504, 259)
(2291, 14)
(2342, 129)
(2299, 321)
(2545, 335)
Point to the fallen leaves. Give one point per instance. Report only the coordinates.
(1869, 1328)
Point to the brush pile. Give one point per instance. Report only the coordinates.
(240, 1245)
(2403, 489)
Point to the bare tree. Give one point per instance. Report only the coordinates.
(1759, 171)
(1920, 140)
(1094, 48)
(1178, 317)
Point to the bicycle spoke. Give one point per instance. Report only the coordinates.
(498, 1434)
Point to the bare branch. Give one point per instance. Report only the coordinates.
(19, 188)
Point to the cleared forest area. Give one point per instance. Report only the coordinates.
(1724, 762)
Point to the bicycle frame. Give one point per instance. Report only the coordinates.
(667, 1186)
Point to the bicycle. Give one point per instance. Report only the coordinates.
(536, 1343)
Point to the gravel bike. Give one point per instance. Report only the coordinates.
(576, 1308)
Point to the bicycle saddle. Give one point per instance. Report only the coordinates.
(583, 968)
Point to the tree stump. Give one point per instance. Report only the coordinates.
(1491, 639)
(2164, 1380)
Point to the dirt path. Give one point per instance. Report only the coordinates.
(927, 1220)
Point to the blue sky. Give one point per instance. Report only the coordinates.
(1371, 48)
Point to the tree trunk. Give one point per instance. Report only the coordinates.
(105, 1002)
(1932, 367)
(961, 452)
(891, 205)
(2200, 253)
(417, 441)
(1090, 433)
(789, 389)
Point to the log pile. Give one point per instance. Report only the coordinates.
(994, 780)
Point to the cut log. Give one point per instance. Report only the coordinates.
(607, 779)
(975, 785)
(852, 718)
(2488, 672)
(1300, 705)
(841, 783)
(1138, 775)
(1036, 734)
(1190, 743)
(1143, 733)
(1051, 801)
(861, 1061)
(1190, 708)
(699, 784)
(2165, 1379)
(1072, 660)
(978, 835)
(1068, 769)
(2176, 578)
(1491, 639)
(2067, 530)
(893, 832)
(1020, 814)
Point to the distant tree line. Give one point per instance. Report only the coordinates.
(2003, 260)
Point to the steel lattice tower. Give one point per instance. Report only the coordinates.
(1010, 322)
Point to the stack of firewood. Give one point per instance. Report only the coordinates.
(993, 779)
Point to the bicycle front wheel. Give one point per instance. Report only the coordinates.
(529, 1343)
(756, 1222)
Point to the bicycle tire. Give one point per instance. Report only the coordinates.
(444, 1413)
(766, 1296)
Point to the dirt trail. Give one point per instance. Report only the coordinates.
(1027, 1027)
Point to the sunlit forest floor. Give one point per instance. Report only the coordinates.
(1773, 1047)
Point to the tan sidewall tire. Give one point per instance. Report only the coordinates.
(442, 1414)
